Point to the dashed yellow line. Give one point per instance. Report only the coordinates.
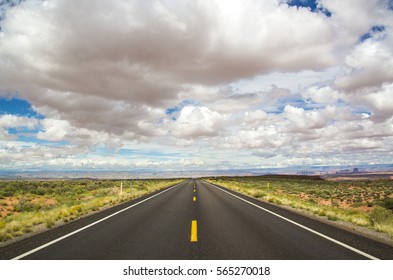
(194, 227)
(194, 231)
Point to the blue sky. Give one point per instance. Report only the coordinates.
(310, 4)
(18, 107)
(177, 86)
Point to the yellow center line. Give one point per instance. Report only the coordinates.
(194, 198)
(194, 231)
(194, 190)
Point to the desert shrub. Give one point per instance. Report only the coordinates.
(24, 205)
(360, 219)
(335, 203)
(382, 220)
(7, 191)
(357, 204)
(312, 201)
(370, 204)
(379, 215)
(49, 223)
(13, 226)
(387, 203)
(319, 212)
(39, 191)
(259, 194)
(332, 216)
(326, 192)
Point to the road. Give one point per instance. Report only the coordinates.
(197, 220)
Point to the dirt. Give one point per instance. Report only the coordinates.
(11, 201)
(3, 211)
(304, 196)
(86, 198)
(45, 201)
(344, 204)
(324, 202)
(9, 207)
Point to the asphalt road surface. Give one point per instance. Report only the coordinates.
(197, 220)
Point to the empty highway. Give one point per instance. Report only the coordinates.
(196, 220)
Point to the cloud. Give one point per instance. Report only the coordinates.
(17, 155)
(197, 122)
(353, 18)
(371, 65)
(323, 95)
(304, 119)
(261, 79)
(8, 121)
(255, 116)
(53, 130)
(130, 50)
(12, 121)
(380, 102)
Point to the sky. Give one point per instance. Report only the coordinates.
(186, 85)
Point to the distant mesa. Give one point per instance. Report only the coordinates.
(349, 171)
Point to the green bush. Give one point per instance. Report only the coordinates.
(388, 203)
(380, 215)
(332, 217)
(49, 223)
(24, 205)
(335, 202)
(259, 194)
(357, 204)
(382, 220)
(312, 201)
(39, 191)
(7, 191)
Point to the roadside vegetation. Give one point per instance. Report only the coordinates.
(28, 206)
(367, 203)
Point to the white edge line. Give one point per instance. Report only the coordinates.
(303, 227)
(89, 225)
